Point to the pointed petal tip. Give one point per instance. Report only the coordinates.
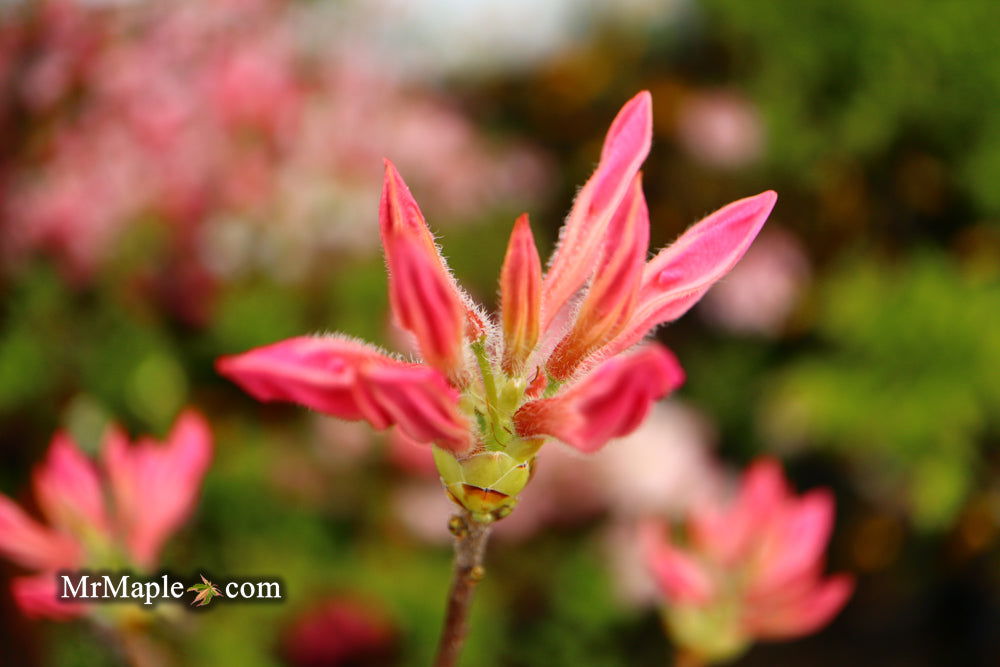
(767, 199)
(643, 97)
(672, 369)
(229, 365)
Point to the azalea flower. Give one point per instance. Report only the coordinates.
(340, 630)
(747, 569)
(558, 361)
(150, 488)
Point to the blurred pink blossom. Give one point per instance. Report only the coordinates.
(747, 569)
(150, 488)
(763, 289)
(205, 114)
(339, 631)
(720, 128)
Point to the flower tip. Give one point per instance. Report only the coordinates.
(670, 369)
(766, 200)
(632, 129)
(228, 366)
(643, 98)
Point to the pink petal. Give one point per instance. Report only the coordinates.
(68, 489)
(796, 543)
(520, 296)
(803, 614)
(612, 295)
(734, 533)
(155, 486)
(419, 400)
(681, 273)
(353, 381)
(319, 372)
(425, 299)
(610, 402)
(425, 303)
(36, 596)
(32, 545)
(625, 147)
(679, 575)
(399, 215)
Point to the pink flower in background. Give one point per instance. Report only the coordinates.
(201, 116)
(721, 129)
(118, 515)
(763, 290)
(555, 363)
(340, 630)
(748, 569)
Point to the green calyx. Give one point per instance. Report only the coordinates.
(488, 481)
(486, 484)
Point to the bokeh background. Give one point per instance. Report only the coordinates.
(181, 180)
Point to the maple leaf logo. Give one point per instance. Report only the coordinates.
(207, 591)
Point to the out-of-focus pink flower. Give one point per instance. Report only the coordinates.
(662, 469)
(149, 489)
(202, 115)
(720, 129)
(488, 396)
(340, 631)
(763, 288)
(748, 569)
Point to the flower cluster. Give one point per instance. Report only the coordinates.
(215, 118)
(558, 363)
(748, 569)
(152, 488)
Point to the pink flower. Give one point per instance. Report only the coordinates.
(748, 569)
(150, 490)
(340, 630)
(489, 395)
(720, 128)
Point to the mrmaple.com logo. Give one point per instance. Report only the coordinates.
(125, 586)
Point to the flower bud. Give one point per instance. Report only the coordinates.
(486, 484)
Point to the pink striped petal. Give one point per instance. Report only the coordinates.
(803, 614)
(352, 381)
(423, 294)
(612, 295)
(625, 148)
(68, 490)
(319, 372)
(678, 574)
(610, 402)
(32, 545)
(520, 296)
(155, 485)
(425, 303)
(36, 597)
(419, 400)
(399, 215)
(681, 273)
(796, 542)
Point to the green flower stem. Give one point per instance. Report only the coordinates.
(470, 545)
(489, 382)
